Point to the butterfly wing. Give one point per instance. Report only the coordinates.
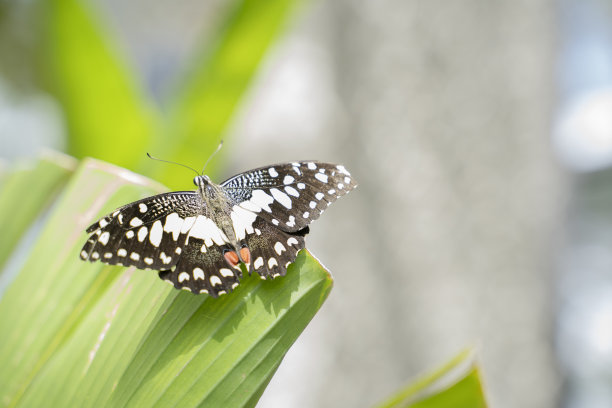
(203, 272)
(290, 195)
(273, 205)
(147, 234)
(272, 249)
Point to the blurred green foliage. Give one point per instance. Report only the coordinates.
(457, 384)
(108, 113)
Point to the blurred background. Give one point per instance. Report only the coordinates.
(480, 134)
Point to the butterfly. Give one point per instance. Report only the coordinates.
(197, 240)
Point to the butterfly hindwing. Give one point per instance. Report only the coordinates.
(272, 249)
(291, 195)
(203, 272)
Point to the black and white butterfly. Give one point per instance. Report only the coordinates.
(198, 239)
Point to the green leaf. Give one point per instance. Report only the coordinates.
(456, 384)
(25, 192)
(218, 79)
(107, 115)
(86, 334)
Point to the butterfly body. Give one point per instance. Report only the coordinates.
(198, 239)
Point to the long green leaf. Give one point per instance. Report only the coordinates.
(219, 77)
(107, 115)
(80, 334)
(27, 190)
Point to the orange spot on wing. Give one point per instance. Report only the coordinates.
(245, 254)
(231, 257)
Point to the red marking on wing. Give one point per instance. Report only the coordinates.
(232, 258)
(245, 255)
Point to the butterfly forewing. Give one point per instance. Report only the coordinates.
(149, 233)
(291, 195)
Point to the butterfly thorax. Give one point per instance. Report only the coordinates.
(217, 207)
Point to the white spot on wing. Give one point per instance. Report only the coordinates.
(129, 234)
(134, 256)
(343, 170)
(136, 222)
(272, 263)
(198, 273)
(226, 272)
(242, 221)
(279, 248)
(319, 196)
(312, 204)
(187, 224)
(292, 191)
(173, 225)
(204, 228)
(273, 172)
(262, 199)
(306, 214)
(156, 233)
(142, 233)
(321, 177)
(121, 252)
(165, 259)
(103, 223)
(183, 276)
(281, 197)
(148, 260)
(142, 207)
(250, 205)
(215, 280)
(301, 186)
(258, 263)
(291, 222)
(288, 179)
(312, 166)
(104, 238)
(292, 241)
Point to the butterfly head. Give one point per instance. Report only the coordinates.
(202, 182)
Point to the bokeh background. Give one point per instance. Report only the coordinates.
(481, 135)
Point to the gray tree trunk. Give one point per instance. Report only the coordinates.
(441, 110)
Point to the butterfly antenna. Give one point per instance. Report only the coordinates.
(212, 155)
(171, 162)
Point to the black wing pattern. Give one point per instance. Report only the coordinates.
(289, 195)
(268, 210)
(147, 234)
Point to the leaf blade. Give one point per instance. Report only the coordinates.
(110, 336)
(107, 114)
(218, 79)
